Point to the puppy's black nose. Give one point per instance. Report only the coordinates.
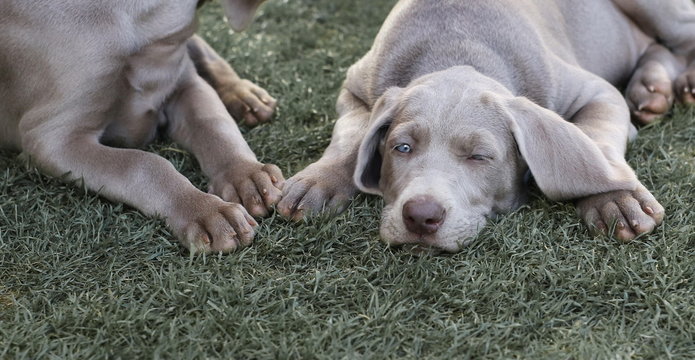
(423, 215)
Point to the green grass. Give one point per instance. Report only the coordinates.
(81, 277)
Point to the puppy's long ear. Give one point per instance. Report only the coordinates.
(240, 12)
(368, 167)
(564, 161)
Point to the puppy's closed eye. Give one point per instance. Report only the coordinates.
(478, 158)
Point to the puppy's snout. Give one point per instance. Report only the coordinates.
(423, 215)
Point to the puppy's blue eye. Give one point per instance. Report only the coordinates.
(404, 148)
(476, 157)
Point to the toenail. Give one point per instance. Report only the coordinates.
(620, 225)
(649, 210)
(635, 224)
(651, 88)
(273, 179)
(264, 191)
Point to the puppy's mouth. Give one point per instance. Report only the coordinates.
(423, 250)
(429, 244)
(421, 245)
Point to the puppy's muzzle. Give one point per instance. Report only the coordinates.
(423, 215)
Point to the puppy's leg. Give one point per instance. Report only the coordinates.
(199, 122)
(649, 93)
(327, 184)
(605, 118)
(673, 23)
(247, 102)
(202, 222)
(684, 85)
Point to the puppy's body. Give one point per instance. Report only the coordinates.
(525, 45)
(439, 140)
(92, 58)
(79, 77)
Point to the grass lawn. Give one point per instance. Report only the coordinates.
(81, 277)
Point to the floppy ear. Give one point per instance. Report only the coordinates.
(368, 166)
(564, 161)
(240, 12)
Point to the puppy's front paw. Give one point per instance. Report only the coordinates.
(314, 189)
(205, 223)
(633, 212)
(247, 102)
(649, 93)
(257, 186)
(685, 86)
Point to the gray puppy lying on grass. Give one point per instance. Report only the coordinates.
(78, 78)
(457, 100)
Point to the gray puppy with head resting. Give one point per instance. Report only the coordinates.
(458, 99)
(78, 78)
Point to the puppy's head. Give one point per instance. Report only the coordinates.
(452, 148)
(239, 13)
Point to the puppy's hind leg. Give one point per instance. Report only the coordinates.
(649, 94)
(247, 102)
(673, 23)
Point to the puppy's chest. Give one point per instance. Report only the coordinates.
(151, 75)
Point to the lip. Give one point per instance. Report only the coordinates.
(417, 244)
(422, 250)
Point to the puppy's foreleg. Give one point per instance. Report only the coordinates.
(601, 113)
(148, 182)
(199, 122)
(327, 184)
